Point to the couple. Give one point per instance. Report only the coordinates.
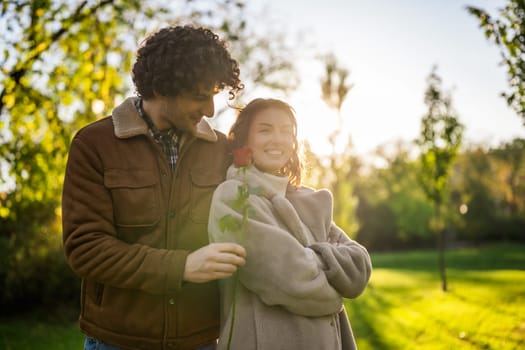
(146, 190)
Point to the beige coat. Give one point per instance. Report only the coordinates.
(299, 267)
(129, 225)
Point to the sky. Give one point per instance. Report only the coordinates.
(390, 47)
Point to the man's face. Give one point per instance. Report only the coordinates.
(186, 110)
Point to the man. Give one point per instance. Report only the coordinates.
(136, 199)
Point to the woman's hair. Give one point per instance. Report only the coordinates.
(238, 134)
(181, 59)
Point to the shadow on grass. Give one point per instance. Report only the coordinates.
(363, 318)
(398, 309)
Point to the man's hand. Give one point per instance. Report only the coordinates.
(214, 261)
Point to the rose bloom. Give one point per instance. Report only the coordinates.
(242, 156)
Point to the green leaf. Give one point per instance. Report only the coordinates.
(229, 223)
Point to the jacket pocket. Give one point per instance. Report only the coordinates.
(92, 293)
(99, 292)
(203, 184)
(135, 195)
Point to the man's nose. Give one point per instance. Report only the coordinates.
(208, 108)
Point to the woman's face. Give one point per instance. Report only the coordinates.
(271, 138)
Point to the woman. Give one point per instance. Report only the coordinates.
(299, 264)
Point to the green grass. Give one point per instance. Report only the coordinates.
(403, 307)
(30, 334)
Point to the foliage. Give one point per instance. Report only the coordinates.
(512, 162)
(491, 186)
(377, 226)
(478, 189)
(338, 174)
(59, 59)
(340, 169)
(392, 212)
(65, 64)
(441, 135)
(266, 54)
(508, 32)
(334, 85)
(33, 270)
(439, 142)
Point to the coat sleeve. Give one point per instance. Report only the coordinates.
(346, 263)
(90, 239)
(278, 268)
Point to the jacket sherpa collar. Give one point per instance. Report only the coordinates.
(128, 123)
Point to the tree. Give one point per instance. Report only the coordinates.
(265, 52)
(64, 64)
(491, 187)
(479, 182)
(509, 160)
(340, 170)
(392, 212)
(57, 61)
(508, 33)
(513, 154)
(441, 135)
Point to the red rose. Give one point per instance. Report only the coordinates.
(242, 156)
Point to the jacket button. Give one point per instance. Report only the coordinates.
(171, 301)
(172, 214)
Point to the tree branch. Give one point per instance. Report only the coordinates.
(36, 50)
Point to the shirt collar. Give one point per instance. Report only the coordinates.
(156, 133)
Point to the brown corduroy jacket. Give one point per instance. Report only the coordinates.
(128, 226)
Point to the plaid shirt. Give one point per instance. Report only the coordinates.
(168, 140)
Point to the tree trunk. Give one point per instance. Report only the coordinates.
(441, 250)
(441, 260)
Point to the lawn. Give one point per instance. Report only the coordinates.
(403, 307)
(31, 334)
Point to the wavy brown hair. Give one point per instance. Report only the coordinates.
(182, 58)
(238, 134)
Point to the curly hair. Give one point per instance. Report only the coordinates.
(180, 59)
(238, 134)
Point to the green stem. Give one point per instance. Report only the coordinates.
(234, 304)
(236, 275)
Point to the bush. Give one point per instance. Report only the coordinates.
(34, 271)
